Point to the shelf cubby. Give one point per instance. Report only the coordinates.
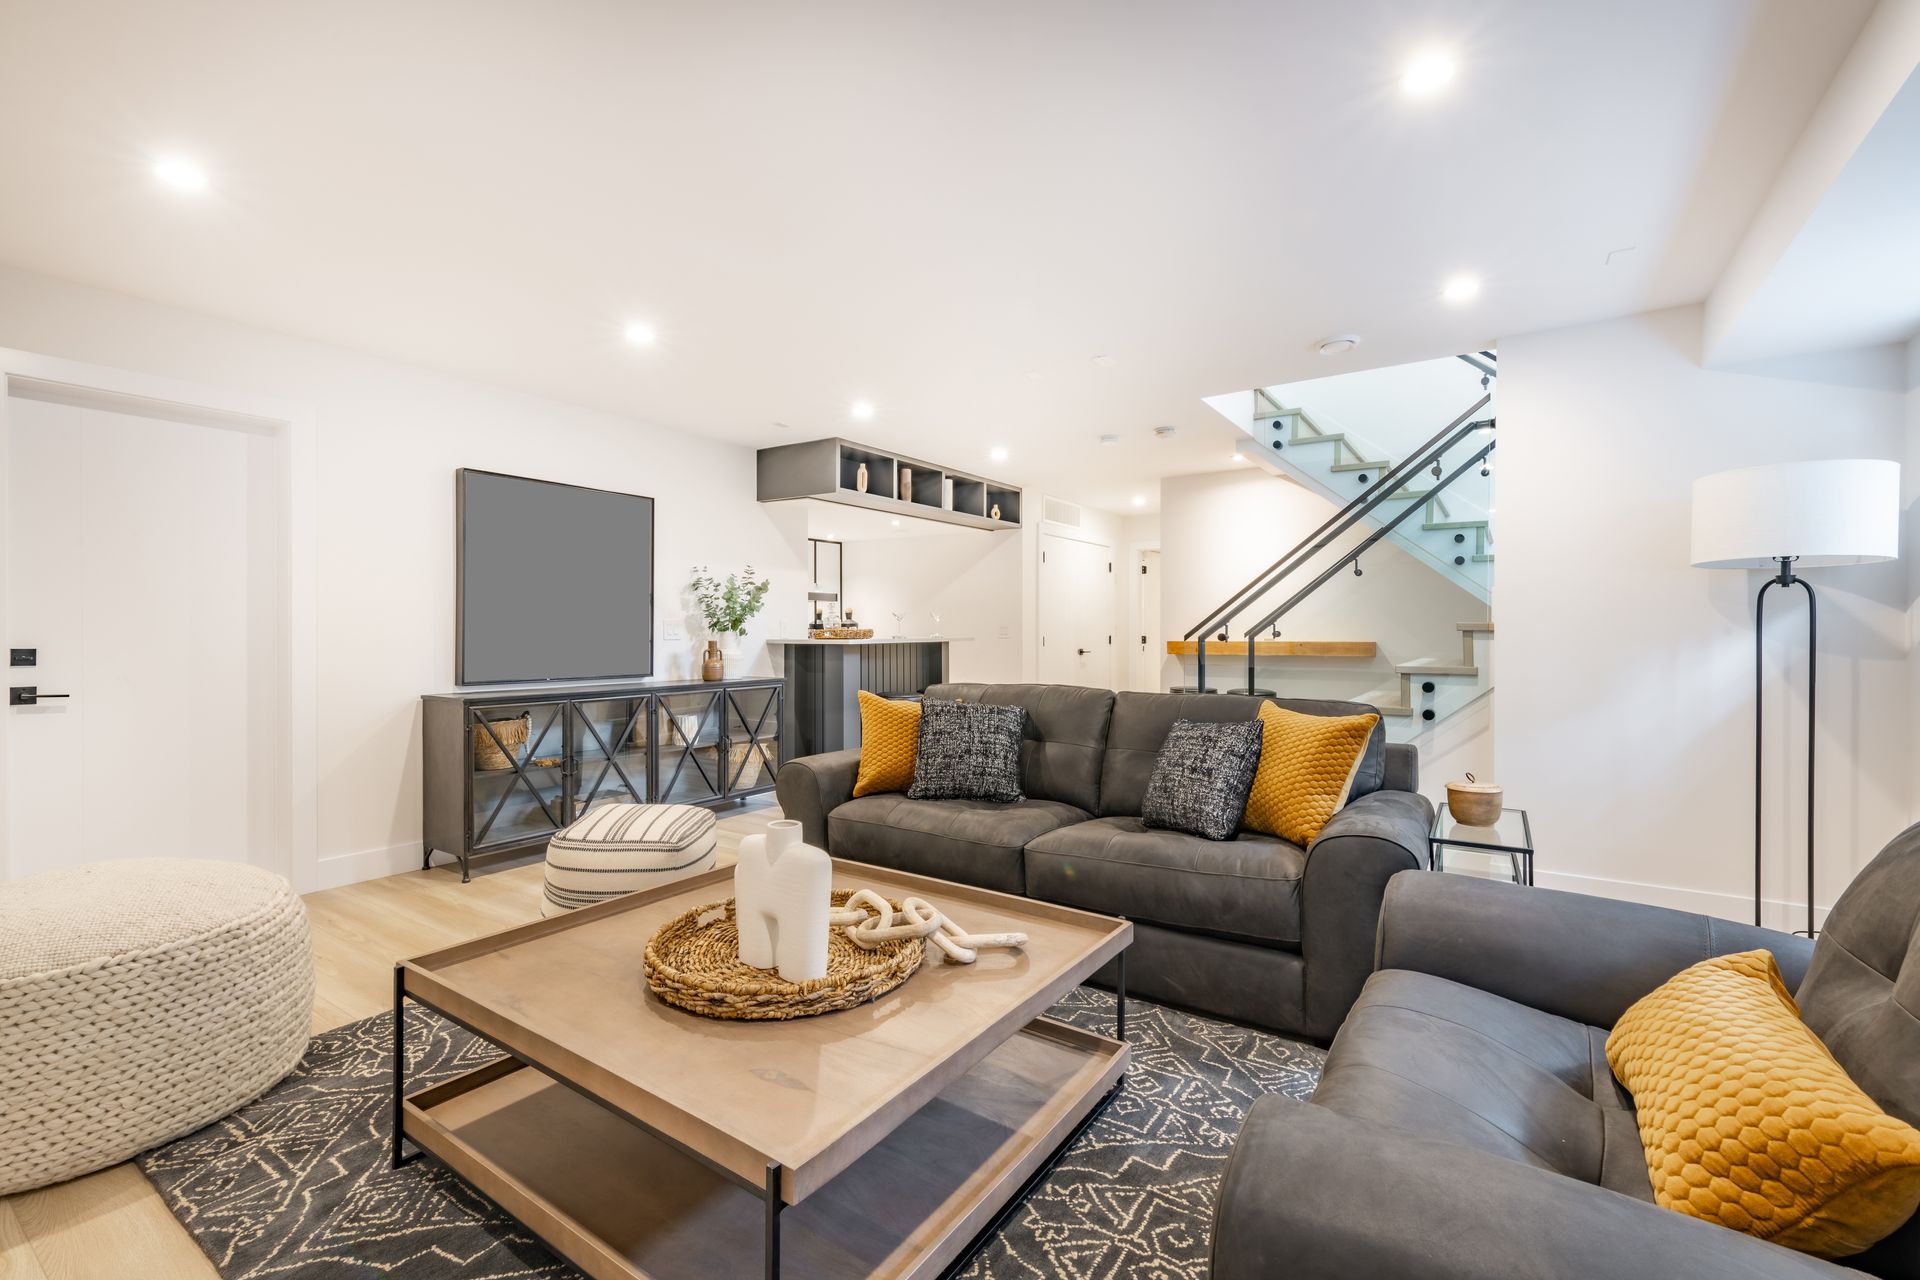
(828, 471)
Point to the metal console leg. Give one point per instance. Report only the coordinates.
(1120, 1001)
(399, 1063)
(774, 1206)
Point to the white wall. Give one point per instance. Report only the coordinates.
(389, 437)
(972, 580)
(1624, 718)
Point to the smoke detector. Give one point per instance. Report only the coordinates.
(1338, 345)
(1162, 433)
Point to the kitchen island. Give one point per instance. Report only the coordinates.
(822, 680)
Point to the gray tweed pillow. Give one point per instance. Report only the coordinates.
(1201, 779)
(968, 751)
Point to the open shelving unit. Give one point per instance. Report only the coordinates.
(829, 471)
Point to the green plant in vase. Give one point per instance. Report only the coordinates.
(727, 604)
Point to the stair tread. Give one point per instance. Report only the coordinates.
(1485, 559)
(1335, 438)
(1436, 669)
(1453, 524)
(1356, 466)
(1381, 701)
(1474, 626)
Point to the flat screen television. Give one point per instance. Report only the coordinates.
(555, 581)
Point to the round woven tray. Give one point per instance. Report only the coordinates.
(693, 963)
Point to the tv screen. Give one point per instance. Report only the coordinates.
(555, 581)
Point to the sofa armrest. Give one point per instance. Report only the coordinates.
(811, 787)
(1403, 767)
(1570, 954)
(1348, 867)
(1311, 1194)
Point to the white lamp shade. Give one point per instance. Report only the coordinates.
(1843, 511)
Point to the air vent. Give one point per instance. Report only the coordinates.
(1056, 511)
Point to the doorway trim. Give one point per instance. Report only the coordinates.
(1068, 533)
(1136, 558)
(153, 396)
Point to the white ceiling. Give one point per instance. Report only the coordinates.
(948, 209)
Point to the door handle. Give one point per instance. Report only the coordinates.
(26, 695)
(1083, 652)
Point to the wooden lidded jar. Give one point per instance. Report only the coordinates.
(1476, 804)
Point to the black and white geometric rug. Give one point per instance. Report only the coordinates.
(296, 1186)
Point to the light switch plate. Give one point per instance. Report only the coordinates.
(1003, 632)
(672, 630)
(23, 657)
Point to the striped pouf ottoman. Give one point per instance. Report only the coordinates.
(622, 848)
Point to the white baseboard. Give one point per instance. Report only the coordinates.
(368, 864)
(1786, 916)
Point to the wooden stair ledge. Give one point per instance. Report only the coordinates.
(1277, 648)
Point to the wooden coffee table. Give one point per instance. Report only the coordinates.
(642, 1141)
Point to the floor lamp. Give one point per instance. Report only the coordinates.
(1794, 515)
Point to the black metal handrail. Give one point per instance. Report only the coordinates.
(1353, 555)
(1345, 518)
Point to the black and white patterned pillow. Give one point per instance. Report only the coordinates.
(968, 751)
(1201, 778)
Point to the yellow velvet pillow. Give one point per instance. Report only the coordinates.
(1306, 769)
(1749, 1122)
(889, 744)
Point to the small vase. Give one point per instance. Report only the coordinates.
(906, 484)
(860, 478)
(729, 642)
(994, 512)
(712, 666)
(782, 892)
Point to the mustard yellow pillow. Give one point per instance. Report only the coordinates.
(889, 743)
(1749, 1122)
(1306, 769)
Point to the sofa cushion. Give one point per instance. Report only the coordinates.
(1141, 722)
(973, 841)
(968, 751)
(1065, 736)
(1247, 888)
(1440, 1060)
(1200, 783)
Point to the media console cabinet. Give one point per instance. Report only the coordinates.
(505, 769)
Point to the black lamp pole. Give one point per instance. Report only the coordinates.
(1786, 578)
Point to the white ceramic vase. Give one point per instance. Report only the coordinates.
(729, 644)
(782, 893)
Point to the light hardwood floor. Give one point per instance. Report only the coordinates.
(113, 1225)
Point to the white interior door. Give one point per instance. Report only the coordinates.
(1076, 612)
(1147, 651)
(145, 566)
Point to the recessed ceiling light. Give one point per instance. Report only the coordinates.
(179, 173)
(998, 454)
(1340, 345)
(1234, 457)
(1139, 499)
(1103, 361)
(1461, 289)
(1427, 74)
(640, 334)
(1109, 439)
(861, 410)
(894, 523)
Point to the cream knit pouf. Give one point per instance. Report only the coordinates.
(139, 1001)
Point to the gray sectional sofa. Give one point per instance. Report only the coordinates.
(1254, 929)
(1468, 1127)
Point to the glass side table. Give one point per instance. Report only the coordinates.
(1512, 835)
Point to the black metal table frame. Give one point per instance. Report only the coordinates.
(1520, 857)
(767, 1190)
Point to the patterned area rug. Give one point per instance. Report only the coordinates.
(296, 1185)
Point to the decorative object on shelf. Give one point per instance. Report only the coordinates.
(860, 479)
(728, 604)
(993, 512)
(622, 848)
(746, 759)
(693, 963)
(497, 744)
(844, 633)
(713, 666)
(547, 762)
(1813, 515)
(899, 621)
(906, 484)
(780, 892)
(1475, 804)
(871, 921)
(946, 493)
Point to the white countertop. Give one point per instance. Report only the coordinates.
(880, 640)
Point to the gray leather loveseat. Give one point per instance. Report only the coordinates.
(1253, 929)
(1467, 1124)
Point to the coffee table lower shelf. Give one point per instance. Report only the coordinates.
(621, 1204)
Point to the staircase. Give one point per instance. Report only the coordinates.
(1433, 502)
